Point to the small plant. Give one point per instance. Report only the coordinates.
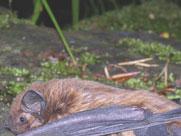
(88, 58)
(137, 83)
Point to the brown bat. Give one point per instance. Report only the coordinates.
(44, 102)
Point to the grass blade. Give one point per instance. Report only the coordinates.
(37, 11)
(75, 12)
(60, 32)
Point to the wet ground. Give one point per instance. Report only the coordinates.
(26, 46)
(105, 45)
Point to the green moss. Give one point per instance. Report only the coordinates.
(17, 72)
(15, 80)
(15, 87)
(8, 18)
(153, 16)
(176, 95)
(57, 69)
(149, 49)
(18, 78)
(137, 83)
(89, 58)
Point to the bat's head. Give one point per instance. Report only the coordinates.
(26, 111)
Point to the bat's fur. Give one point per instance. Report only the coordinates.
(66, 96)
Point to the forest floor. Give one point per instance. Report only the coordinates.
(29, 53)
(25, 47)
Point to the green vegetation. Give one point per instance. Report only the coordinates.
(151, 16)
(75, 12)
(176, 95)
(37, 11)
(89, 58)
(15, 87)
(17, 80)
(7, 19)
(14, 71)
(38, 8)
(139, 83)
(57, 69)
(151, 49)
(20, 77)
(60, 32)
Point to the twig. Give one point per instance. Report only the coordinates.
(165, 72)
(134, 62)
(123, 75)
(106, 72)
(146, 65)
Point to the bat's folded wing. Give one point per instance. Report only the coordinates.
(109, 120)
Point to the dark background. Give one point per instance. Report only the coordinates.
(62, 9)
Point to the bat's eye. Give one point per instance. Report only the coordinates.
(22, 119)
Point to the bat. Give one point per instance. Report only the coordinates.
(45, 102)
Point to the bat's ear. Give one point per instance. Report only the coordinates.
(33, 102)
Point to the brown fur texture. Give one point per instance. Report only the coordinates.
(67, 96)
